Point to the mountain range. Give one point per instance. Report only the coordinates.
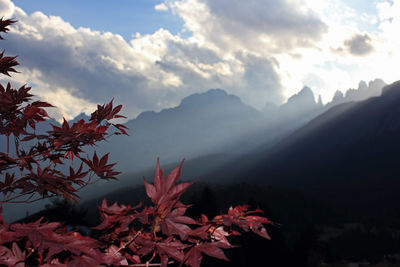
(213, 122)
(348, 154)
(210, 129)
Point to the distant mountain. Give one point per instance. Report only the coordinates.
(300, 107)
(208, 123)
(304, 101)
(213, 122)
(363, 92)
(349, 153)
(202, 124)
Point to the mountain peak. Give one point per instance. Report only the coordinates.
(210, 97)
(362, 86)
(319, 102)
(81, 116)
(339, 96)
(304, 97)
(393, 88)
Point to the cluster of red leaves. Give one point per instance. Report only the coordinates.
(133, 236)
(39, 165)
(162, 230)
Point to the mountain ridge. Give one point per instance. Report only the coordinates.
(352, 149)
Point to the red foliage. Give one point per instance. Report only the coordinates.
(128, 235)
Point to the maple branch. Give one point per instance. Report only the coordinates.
(8, 144)
(148, 264)
(127, 243)
(8, 200)
(28, 200)
(151, 259)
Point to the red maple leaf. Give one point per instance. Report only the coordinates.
(7, 64)
(106, 112)
(213, 249)
(4, 23)
(165, 190)
(100, 167)
(14, 257)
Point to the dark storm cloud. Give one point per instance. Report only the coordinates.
(359, 45)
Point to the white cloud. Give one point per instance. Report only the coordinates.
(7, 9)
(152, 71)
(161, 7)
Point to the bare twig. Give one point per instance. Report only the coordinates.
(127, 243)
(147, 264)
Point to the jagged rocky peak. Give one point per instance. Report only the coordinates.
(338, 96)
(319, 102)
(364, 91)
(376, 85)
(393, 88)
(305, 96)
(362, 86)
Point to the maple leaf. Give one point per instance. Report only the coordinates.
(7, 64)
(4, 23)
(172, 248)
(77, 176)
(106, 112)
(213, 249)
(100, 167)
(169, 247)
(240, 216)
(165, 190)
(175, 223)
(113, 256)
(5, 235)
(75, 244)
(35, 232)
(121, 129)
(85, 260)
(14, 257)
(114, 216)
(115, 209)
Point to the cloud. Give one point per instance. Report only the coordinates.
(151, 72)
(262, 51)
(359, 45)
(7, 8)
(256, 25)
(91, 66)
(161, 7)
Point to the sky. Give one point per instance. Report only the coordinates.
(149, 54)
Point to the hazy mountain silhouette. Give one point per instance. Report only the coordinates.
(298, 110)
(202, 124)
(349, 153)
(208, 123)
(212, 122)
(364, 91)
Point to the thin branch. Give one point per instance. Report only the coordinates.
(148, 264)
(127, 243)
